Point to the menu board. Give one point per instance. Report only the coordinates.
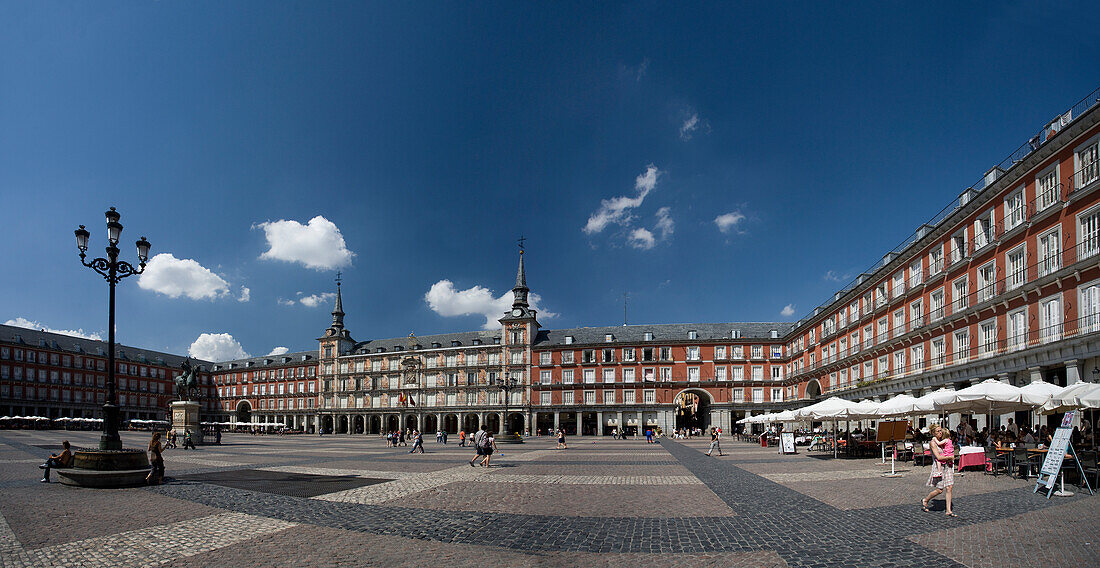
(1056, 454)
(786, 442)
(891, 431)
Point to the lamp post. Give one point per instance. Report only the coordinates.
(113, 270)
(508, 385)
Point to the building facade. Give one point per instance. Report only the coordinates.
(1002, 283)
(54, 375)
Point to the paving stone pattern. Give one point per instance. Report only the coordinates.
(276, 501)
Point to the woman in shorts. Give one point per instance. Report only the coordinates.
(942, 478)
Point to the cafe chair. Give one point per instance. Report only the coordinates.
(997, 463)
(924, 457)
(1021, 462)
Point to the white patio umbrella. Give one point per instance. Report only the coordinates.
(1075, 396)
(992, 396)
(900, 405)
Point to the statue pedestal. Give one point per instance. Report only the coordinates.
(185, 416)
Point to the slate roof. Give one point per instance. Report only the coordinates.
(464, 338)
(267, 361)
(78, 345)
(663, 333)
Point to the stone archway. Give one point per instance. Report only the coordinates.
(375, 425)
(691, 409)
(470, 423)
(326, 424)
(492, 422)
(450, 423)
(410, 422)
(342, 425)
(813, 389)
(515, 423)
(244, 411)
(393, 423)
(357, 425)
(430, 425)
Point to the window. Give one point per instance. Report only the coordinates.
(628, 397)
(987, 338)
(720, 373)
(666, 373)
(1046, 188)
(649, 397)
(916, 314)
(1017, 329)
(757, 351)
(544, 358)
(628, 354)
(609, 397)
(628, 375)
(693, 334)
(868, 335)
(916, 274)
(938, 352)
(666, 353)
(567, 376)
(608, 355)
(590, 397)
(853, 311)
(720, 352)
(983, 230)
(1049, 253)
(1088, 166)
(868, 369)
(1014, 209)
(935, 260)
(899, 362)
(883, 329)
(738, 352)
(693, 374)
(735, 334)
(958, 246)
(588, 356)
(609, 375)
(777, 395)
(589, 375)
(1088, 234)
(758, 395)
(899, 322)
(1016, 260)
(757, 372)
(1051, 319)
(567, 357)
(777, 352)
(608, 338)
(986, 282)
(737, 373)
(962, 345)
(568, 339)
(777, 372)
(544, 377)
(897, 287)
(649, 375)
(692, 353)
(959, 294)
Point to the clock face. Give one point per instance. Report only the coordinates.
(517, 312)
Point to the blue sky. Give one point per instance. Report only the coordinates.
(716, 163)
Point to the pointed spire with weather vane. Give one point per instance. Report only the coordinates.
(338, 311)
(519, 292)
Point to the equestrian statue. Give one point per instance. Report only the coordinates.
(187, 384)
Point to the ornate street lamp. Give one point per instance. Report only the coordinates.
(508, 385)
(113, 270)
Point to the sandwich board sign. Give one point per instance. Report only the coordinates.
(786, 443)
(1056, 455)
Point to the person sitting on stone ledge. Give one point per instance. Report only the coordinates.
(64, 459)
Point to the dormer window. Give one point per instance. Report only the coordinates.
(477, 342)
(436, 344)
(774, 334)
(569, 340)
(735, 334)
(647, 336)
(455, 343)
(608, 338)
(496, 341)
(693, 334)
(380, 350)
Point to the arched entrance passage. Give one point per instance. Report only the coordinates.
(567, 421)
(492, 423)
(692, 409)
(375, 425)
(358, 425)
(544, 422)
(470, 423)
(410, 422)
(342, 425)
(430, 425)
(393, 423)
(326, 424)
(244, 411)
(515, 423)
(813, 389)
(450, 423)
(590, 423)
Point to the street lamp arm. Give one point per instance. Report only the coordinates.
(124, 269)
(100, 265)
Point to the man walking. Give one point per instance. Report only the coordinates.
(418, 442)
(715, 436)
(479, 442)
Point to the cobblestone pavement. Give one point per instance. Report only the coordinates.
(600, 503)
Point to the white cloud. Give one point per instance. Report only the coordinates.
(689, 126)
(787, 311)
(217, 347)
(285, 302)
(444, 300)
(314, 300)
(28, 324)
(833, 276)
(175, 277)
(246, 294)
(665, 225)
(318, 244)
(641, 238)
(278, 351)
(618, 209)
(729, 221)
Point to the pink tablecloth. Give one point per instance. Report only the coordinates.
(972, 459)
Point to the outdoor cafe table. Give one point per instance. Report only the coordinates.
(971, 456)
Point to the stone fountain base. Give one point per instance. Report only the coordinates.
(106, 468)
